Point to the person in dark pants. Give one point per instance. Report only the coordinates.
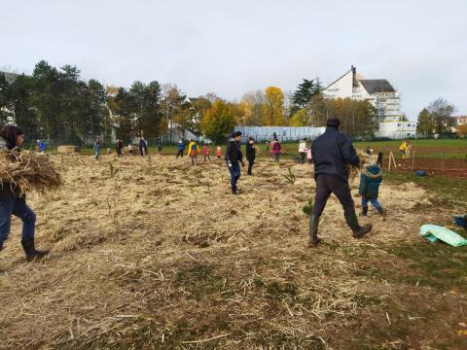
(250, 154)
(143, 147)
(181, 148)
(234, 156)
(332, 153)
(119, 147)
(12, 202)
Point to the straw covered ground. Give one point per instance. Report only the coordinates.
(157, 254)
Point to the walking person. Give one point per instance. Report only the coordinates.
(332, 152)
(130, 149)
(233, 158)
(403, 149)
(206, 151)
(12, 202)
(119, 147)
(41, 146)
(309, 156)
(250, 154)
(98, 148)
(219, 152)
(370, 179)
(181, 148)
(143, 147)
(302, 150)
(276, 150)
(193, 150)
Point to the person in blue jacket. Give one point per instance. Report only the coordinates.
(181, 148)
(97, 148)
(370, 178)
(41, 146)
(332, 153)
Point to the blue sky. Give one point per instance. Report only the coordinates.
(232, 47)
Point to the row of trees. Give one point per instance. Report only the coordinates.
(57, 105)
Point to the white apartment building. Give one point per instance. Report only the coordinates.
(381, 94)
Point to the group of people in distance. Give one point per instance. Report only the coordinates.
(142, 145)
(331, 153)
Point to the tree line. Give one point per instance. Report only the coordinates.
(56, 104)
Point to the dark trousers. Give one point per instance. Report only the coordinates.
(302, 157)
(235, 174)
(180, 153)
(251, 161)
(9, 205)
(327, 184)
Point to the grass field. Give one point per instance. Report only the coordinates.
(160, 255)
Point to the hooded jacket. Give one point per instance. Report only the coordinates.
(332, 152)
(370, 179)
(234, 151)
(250, 151)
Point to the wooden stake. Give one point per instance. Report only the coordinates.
(413, 160)
(389, 160)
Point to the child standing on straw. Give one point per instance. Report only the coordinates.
(206, 151)
(193, 150)
(219, 152)
(98, 148)
(13, 203)
(370, 179)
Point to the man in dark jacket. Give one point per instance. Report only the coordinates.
(332, 153)
(234, 156)
(250, 154)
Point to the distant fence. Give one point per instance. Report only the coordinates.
(284, 134)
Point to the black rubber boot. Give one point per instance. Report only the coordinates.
(234, 190)
(365, 211)
(31, 252)
(358, 231)
(382, 213)
(314, 222)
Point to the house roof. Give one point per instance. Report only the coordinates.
(343, 75)
(377, 85)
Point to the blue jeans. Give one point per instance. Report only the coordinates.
(10, 205)
(235, 173)
(373, 201)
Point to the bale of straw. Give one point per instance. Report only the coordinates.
(67, 149)
(28, 171)
(365, 159)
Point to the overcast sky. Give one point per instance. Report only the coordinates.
(231, 47)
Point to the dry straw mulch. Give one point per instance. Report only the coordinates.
(28, 171)
(162, 256)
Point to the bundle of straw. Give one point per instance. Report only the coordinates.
(365, 159)
(28, 171)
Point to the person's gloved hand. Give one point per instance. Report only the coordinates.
(229, 164)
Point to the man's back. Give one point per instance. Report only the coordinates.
(331, 152)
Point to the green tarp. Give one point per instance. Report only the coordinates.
(434, 233)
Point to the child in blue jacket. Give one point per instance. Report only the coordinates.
(370, 179)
